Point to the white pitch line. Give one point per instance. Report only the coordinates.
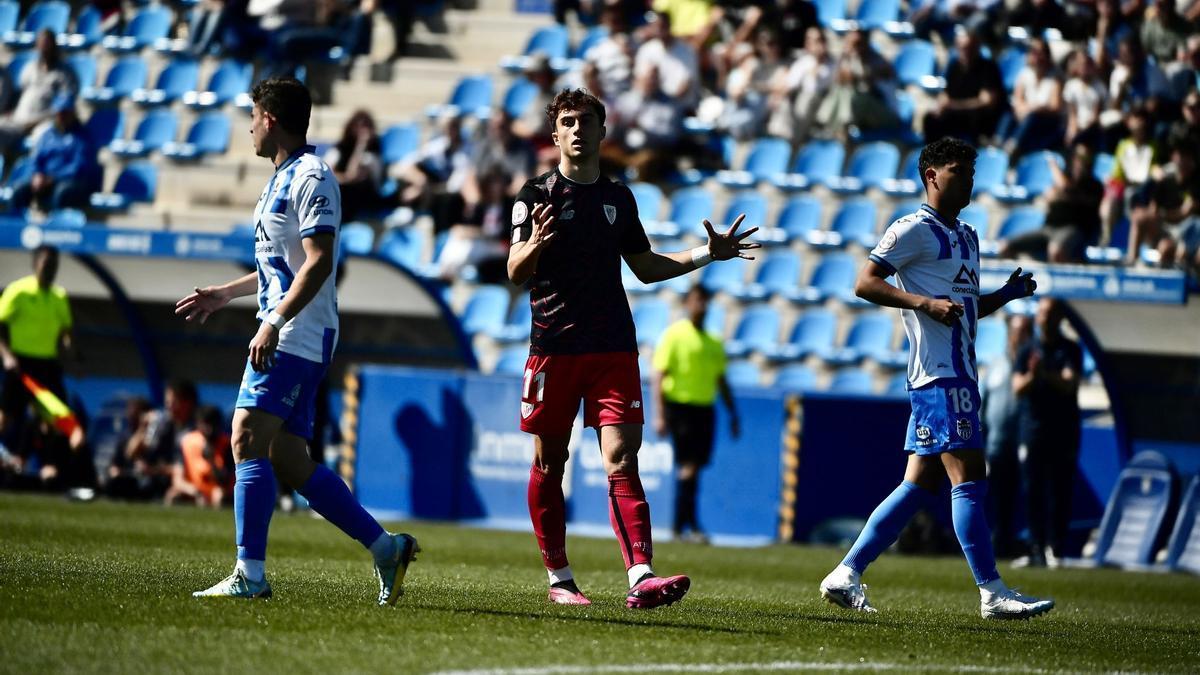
(768, 666)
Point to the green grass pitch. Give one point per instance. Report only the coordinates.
(105, 587)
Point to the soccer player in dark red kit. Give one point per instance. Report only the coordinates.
(571, 227)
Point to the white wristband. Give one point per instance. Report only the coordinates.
(701, 256)
(276, 320)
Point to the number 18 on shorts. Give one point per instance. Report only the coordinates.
(945, 416)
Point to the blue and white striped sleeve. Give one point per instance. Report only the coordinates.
(317, 201)
(900, 244)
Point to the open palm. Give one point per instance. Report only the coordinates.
(730, 244)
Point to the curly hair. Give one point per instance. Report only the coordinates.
(944, 151)
(288, 101)
(576, 100)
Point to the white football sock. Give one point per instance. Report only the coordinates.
(990, 589)
(637, 572)
(254, 570)
(383, 548)
(560, 575)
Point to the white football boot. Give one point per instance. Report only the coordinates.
(1009, 604)
(843, 587)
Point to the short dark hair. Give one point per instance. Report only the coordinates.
(288, 101)
(184, 389)
(944, 151)
(702, 291)
(576, 100)
(45, 249)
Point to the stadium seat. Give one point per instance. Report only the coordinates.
(472, 96)
(126, 75)
(869, 337)
(1011, 61)
(854, 222)
(403, 247)
(209, 135)
(813, 334)
(22, 170)
(1183, 549)
(519, 323)
(49, 14)
(757, 331)
(991, 340)
(398, 142)
(105, 126)
(137, 182)
(799, 216)
(991, 170)
(1102, 166)
(749, 202)
(650, 318)
(649, 200)
(689, 207)
(519, 96)
(869, 166)
(907, 182)
(831, 11)
(89, 26)
(726, 276)
(16, 64)
(594, 36)
(84, 67)
(833, 278)
(486, 310)
(157, 128)
(916, 66)
(1136, 511)
(1033, 177)
(66, 218)
(883, 15)
(795, 377)
(743, 374)
(1021, 220)
(903, 209)
(714, 320)
(897, 385)
(512, 361)
(818, 161)
(552, 41)
(227, 82)
(977, 217)
(151, 24)
(357, 238)
(778, 273)
(767, 158)
(179, 77)
(852, 381)
(10, 12)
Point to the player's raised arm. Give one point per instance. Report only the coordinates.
(1018, 286)
(202, 302)
(650, 267)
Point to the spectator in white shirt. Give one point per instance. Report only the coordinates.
(797, 93)
(1084, 97)
(1036, 121)
(676, 62)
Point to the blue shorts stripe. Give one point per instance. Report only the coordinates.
(943, 240)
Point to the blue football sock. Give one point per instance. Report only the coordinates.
(885, 524)
(329, 496)
(254, 494)
(974, 535)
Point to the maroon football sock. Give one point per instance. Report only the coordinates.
(548, 511)
(630, 516)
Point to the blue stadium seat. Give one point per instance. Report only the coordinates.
(916, 66)
(1102, 166)
(795, 377)
(833, 278)
(472, 96)
(818, 161)
(767, 159)
(593, 37)
(726, 276)
(1183, 549)
(1011, 61)
(991, 170)
(49, 14)
(404, 247)
(749, 202)
(902, 209)
(714, 320)
(10, 12)
(17, 63)
(977, 217)
(813, 334)
(757, 331)
(151, 24)
(1021, 220)
(991, 340)
(486, 310)
(83, 65)
(512, 361)
(66, 218)
(869, 166)
(230, 80)
(105, 125)
(157, 128)
(907, 182)
(854, 222)
(357, 238)
(209, 135)
(519, 323)
(89, 30)
(1136, 511)
(870, 337)
(520, 95)
(179, 77)
(689, 207)
(137, 183)
(883, 15)
(650, 318)
(830, 11)
(1033, 177)
(399, 141)
(897, 385)
(552, 41)
(22, 171)
(126, 75)
(778, 273)
(649, 200)
(799, 216)
(743, 374)
(852, 381)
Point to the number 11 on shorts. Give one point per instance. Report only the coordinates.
(530, 380)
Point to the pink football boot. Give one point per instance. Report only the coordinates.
(560, 595)
(654, 592)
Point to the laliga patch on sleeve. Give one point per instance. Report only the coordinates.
(520, 213)
(888, 241)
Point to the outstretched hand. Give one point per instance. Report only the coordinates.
(730, 244)
(1019, 285)
(201, 303)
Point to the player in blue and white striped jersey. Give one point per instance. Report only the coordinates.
(935, 258)
(296, 226)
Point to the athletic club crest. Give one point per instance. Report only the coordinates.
(610, 212)
(964, 428)
(526, 409)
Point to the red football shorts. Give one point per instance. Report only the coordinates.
(609, 385)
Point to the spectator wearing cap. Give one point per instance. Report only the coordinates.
(974, 99)
(41, 82)
(66, 170)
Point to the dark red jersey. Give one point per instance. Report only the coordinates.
(578, 302)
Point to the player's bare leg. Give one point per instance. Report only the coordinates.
(548, 512)
(630, 516)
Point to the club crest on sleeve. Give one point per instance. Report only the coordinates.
(520, 213)
(610, 212)
(964, 428)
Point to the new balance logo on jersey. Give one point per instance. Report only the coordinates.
(966, 276)
(636, 405)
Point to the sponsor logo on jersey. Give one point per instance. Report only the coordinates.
(520, 213)
(967, 275)
(924, 436)
(610, 212)
(320, 206)
(964, 428)
(636, 405)
(260, 233)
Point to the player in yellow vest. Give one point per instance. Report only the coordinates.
(689, 372)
